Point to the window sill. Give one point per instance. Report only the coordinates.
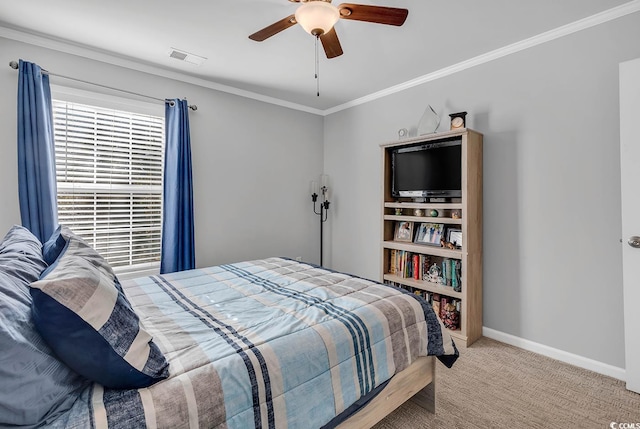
(134, 271)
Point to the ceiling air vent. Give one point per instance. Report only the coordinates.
(186, 57)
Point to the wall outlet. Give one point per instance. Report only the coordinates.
(299, 258)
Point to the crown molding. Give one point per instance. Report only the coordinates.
(565, 30)
(69, 48)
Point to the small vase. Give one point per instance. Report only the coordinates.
(429, 122)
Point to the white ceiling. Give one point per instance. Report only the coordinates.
(437, 35)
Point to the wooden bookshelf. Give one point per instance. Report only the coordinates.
(469, 208)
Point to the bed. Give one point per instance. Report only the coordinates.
(270, 343)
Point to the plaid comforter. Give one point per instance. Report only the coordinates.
(270, 343)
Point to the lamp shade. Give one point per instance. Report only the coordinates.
(317, 17)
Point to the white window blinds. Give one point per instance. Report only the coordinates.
(109, 176)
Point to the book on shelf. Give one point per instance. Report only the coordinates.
(435, 303)
(457, 275)
(446, 271)
(425, 263)
(392, 262)
(405, 264)
(454, 276)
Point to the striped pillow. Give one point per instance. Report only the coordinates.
(82, 313)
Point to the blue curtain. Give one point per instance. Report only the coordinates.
(178, 246)
(36, 152)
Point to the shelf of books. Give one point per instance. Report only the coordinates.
(436, 279)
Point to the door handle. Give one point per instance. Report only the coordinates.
(634, 241)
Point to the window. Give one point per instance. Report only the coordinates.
(109, 175)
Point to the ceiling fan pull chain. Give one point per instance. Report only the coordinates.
(317, 68)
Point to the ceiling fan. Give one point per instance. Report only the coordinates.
(318, 17)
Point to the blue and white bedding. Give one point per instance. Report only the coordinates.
(271, 343)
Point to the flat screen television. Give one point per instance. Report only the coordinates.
(427, 170)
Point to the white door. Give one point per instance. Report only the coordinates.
(630, 177)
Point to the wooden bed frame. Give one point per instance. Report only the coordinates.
(417, 382)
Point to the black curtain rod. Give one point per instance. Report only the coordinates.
(14, 65)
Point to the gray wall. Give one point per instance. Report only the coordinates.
(549, 115)
(252, 161)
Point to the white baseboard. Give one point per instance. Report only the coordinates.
(570, 358)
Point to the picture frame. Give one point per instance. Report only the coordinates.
(429, 233)
(455, 236)
(404, 231)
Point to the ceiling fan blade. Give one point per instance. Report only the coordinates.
(274, 28)
(377, 14)
(331, 44)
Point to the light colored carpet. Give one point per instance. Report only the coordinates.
(494, 385)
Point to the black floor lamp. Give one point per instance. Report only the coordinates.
(324, 203)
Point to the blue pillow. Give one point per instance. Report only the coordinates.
(83, 314)
(52, 248)
(21, 254)
(20, 240)
(21, 260)
(36, 386)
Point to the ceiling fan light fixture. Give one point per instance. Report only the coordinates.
(317, 17)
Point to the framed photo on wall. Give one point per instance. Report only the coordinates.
(404, 231)
(429, 233)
